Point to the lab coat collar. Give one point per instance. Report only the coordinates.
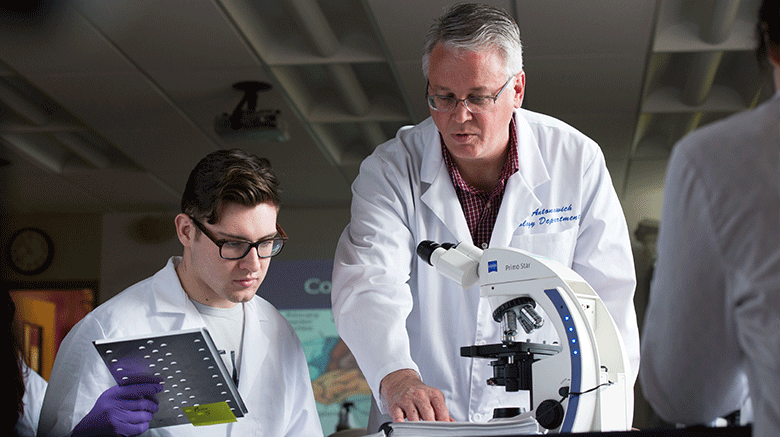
(170, 298)
(519, 198)
(440, 195)
(254, 346)
(532, 167)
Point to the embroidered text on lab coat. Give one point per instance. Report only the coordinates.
(543, 214)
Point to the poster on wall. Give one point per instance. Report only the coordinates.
(32, 345)
(300, 290)
(43, 319)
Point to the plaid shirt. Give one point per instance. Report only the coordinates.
(481, 207)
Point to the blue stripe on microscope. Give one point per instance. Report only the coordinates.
(574, 357)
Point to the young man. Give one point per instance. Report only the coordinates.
(711, 336)
(481, 170)
(228, 228)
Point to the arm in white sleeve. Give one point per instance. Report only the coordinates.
(690, 360)
(756, 298)
(371, 298)
(713, 320)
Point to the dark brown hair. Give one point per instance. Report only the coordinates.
(13, 406)
(229, 176)
(768, 30)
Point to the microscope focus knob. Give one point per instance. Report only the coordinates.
(498, 314)
(550, 414)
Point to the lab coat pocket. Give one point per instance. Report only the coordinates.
(554, 245)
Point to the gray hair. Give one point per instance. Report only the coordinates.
(474, 27)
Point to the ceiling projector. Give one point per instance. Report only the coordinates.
(247, 123)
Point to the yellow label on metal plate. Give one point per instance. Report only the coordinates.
(210, 414)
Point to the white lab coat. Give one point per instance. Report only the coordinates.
(711, 334)
(34, 390)
(274, 379)
(394, 311)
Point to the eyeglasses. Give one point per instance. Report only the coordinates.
(474, 104)
(237, 249)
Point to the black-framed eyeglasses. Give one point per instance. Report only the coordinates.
(474, 104)
(237, 249)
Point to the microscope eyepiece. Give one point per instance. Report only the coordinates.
(426, 248)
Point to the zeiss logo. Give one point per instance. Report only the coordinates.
(492, 266)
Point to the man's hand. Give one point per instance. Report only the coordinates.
(408, 398)
(122, 410)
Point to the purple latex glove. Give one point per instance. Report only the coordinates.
(122, 410)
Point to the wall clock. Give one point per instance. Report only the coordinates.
(30, 251)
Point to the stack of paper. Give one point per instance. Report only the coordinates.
(524, 424)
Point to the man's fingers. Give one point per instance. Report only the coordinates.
(397, 414)
(406, 410)
(440, 409)
(432, 406)
(140, 405)
(426, 411)
(408, 398)
(420, 407)
(135, 417)
(134, 391)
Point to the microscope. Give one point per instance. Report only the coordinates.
(576, 377)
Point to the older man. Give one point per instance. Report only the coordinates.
(480, 169)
